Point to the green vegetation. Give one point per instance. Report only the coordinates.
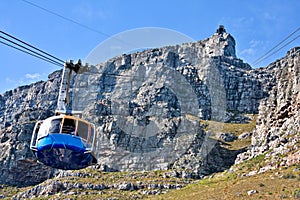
(112, 182)
(288, 176)
(297, 193)
(261, 185)
(235, 128)
(269, 185)
(9, 191)
(225, 184)
(253, 164)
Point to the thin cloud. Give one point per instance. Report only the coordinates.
(255, 47)
(87, 11)
(9, 80)
(255, 43)
(248, 52)
(24, 80)
(10, 83)
(268, 16)
(32, 76)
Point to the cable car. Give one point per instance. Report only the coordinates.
(65, 141)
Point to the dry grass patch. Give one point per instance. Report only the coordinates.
(269, 185)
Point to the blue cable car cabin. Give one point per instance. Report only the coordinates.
(64, 142)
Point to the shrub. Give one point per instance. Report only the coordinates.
(289, 176)
(261, 185)
(297, 193)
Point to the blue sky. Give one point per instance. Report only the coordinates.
(256, 26)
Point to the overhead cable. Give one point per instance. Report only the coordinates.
(270, 52)
(25, 48)
(283, 46)
(60, 65)
(32, 46)
(76, 22)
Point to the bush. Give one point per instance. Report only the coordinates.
(289, 176)
(261, 185)
(297, 193)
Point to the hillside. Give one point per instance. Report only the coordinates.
(166, 118)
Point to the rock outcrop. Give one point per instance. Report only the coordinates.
(136, 185)
(140, 103)
(277, 131)
(19, 110)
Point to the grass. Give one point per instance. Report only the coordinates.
(297, 193)
(235, 128)
(288, 176)
(93, 176)
(8, 191)
(226, 185)
(270, 185)
(253, 164)
(215, 127)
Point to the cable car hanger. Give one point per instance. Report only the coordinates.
(64, 141)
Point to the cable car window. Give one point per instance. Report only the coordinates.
(91, 140)
(69, 126)
(95, 140)
(83, 130)
(91, 134)
(35, 134)
(55, 126)
(43, 131)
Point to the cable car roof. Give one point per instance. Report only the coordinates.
(61, 116)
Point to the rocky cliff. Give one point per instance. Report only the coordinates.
(147, 107)
(277, 132)
(19, 110)
(142, 103)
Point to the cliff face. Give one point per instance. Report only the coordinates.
(19, 110)
(143, 105)
(140, 103)
(277, 131)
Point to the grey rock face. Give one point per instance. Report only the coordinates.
(227, 137)
(277, 131)
(140, 102)
(245, 135)
(19, 110)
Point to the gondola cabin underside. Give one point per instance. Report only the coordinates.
(64, 142)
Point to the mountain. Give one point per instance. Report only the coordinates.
(142, 114)
(189, 109)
